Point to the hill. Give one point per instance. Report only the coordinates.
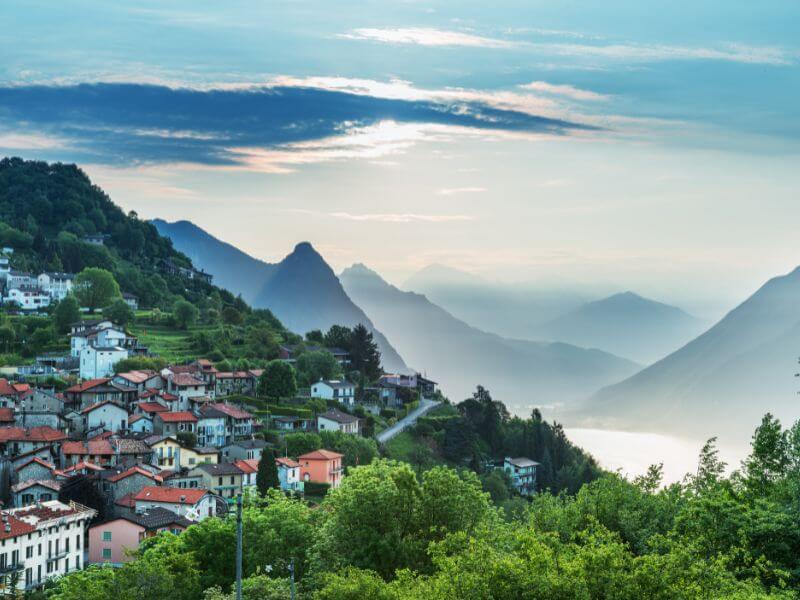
(301, 290)
(627, 325)
(511, 310)
(725, 379)
(522, 374)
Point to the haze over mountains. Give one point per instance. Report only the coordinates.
(521, 373)
(302, 290)
(724, 380)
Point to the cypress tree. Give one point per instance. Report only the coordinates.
(267, 476)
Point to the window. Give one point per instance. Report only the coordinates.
(78, 542)
(106, 552)
(106, 536)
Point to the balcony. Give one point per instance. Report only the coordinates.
(11, 568)
(53, 556)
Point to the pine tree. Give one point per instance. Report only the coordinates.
(267, 476)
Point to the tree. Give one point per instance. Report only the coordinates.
(119, 312)
(267, 475)
(185, 314)
(768, 458)
(315, 336)
(316, 365)
(278, 380)
(7, 338)
(67, 312)
(231, 316)
(187, 438)
(338, 336)
(364, 354)
(95, 288)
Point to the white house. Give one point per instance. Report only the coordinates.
(193, 503)
(42, 541)
(99, 361)
(186, 386)
(96, 336)
(27, 297)
(332, 389)
(5, 268)
(336, 420)
(105, 415)
(56, 285)
(141, 423)
(131, 300)
(523, 473)
(288, 473)
(18, 279)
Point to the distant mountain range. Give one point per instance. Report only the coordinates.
(302, 290)
(628, 325)
(521, 373)
(724, 380)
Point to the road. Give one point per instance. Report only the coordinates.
(407, 421)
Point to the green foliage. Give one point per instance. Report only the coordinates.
(67, 312)
(278, 380)
(255, 587)
(140, 363)
(95, 288)
(187, 438)
(185, 314)
(267, 475)
(316, 365)
(316, 489)
(119, 312)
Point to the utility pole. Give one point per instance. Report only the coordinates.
(239, 546)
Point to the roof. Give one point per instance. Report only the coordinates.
(220, 469)
(43, 433)
(287, 462)
(133, 471)
(6, 415)
(38, 460)
(522, 462)
(136, 418)
(152, 407)
(235, 374)
(227, 410)
(87, 385)
(84, 464)
(131, 446)
(247, 466)
(128, 500)
(321, 454)
(137, 376)
(48, 483)
(335, 383)
(185, 379)
(338, 416)
(250, 444)
(170, 495)
(89, 409)
(177, 417)
(92, 447)
(154, 518)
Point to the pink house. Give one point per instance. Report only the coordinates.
(321, 466)
(113, 542)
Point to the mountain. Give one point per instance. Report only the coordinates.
(302, 290)
(626, 325)
(724, 380)
(522, 374)
(511, 310)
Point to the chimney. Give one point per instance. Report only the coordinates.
(183, 499)
(8, 527)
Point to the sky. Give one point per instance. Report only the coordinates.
(618, 144)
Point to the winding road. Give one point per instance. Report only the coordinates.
(407, 421)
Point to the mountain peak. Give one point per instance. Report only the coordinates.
(304, 248)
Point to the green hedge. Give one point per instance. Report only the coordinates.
(289, 411)
(313, 488)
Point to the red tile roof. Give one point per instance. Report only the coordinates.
(87, 385)
(166, 396)
(171, 495)
(43, 433)
(6, 389)
(89, 409)
(128, 500)
(152, 407)
(182, 379)
(137, 376)
(37, 460)
(135, 470)
(247, 466)
(320, 455)
(6, 415)
(177, 417)
(234, 375)
(17, 527)
(231, 411)
(90, 448)
(287, 462)
(84, 464)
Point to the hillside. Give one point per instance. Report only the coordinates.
(723, 380)
(522, 374)
(627, 325)
(509, 310)
(301, 290)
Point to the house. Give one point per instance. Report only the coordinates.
(336, 420)
(238, 423)
(106, 415)
(172, 423)
(56, 285)
(27, 297)
(34, 490)
(114, 541)
(43, 400)
(290, 352)
(523, 473)
(98, 451)
(343, 392)
(321, 466)
(119, 482)
(97, 390)
(131, 300)
(288, 474)
(18, 279)
(140, 424)
(212, 427)
(425, 387)
(287, 423)
(99, 361)
(12, 394)
(100, 335)
(141, 380)
(7, 417)
(169, 453)
(180, 478)
(249, 469)
(186, 386)
(244, 450)
(35, 468)
(16, 440)
(96, 239)
(236, 382)
(86, 325)
(58, 532)
(194, 504)
(149, 409)
(223, 479)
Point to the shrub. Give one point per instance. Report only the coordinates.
(314, 488)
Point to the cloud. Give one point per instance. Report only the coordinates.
(426, 36)
(270, 126)
(460, 190)
(401, 217)
(564, 90)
